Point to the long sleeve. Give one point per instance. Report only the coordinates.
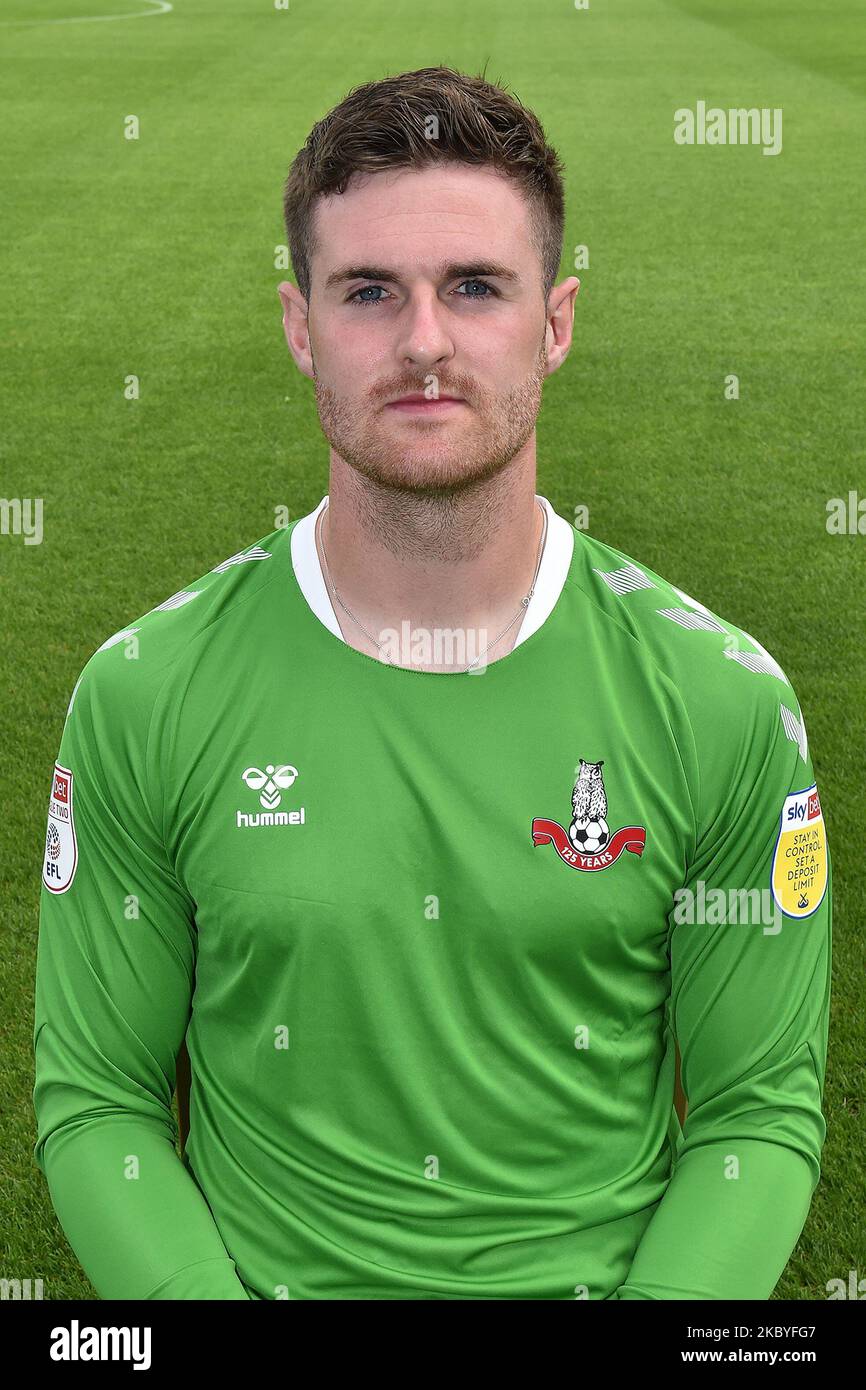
(114, 982)
(750, 958)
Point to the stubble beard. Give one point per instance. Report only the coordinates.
(432, 457)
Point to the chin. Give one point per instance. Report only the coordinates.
(417, 471)
(426, 459)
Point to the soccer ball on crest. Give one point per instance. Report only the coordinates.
(588, 836)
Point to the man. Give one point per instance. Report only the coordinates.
(438, 821)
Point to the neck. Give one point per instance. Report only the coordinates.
(461, 561)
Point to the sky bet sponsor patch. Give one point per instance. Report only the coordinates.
(799, 876)
(61, 846)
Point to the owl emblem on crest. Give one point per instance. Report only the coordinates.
(588, 844)
(589, 831)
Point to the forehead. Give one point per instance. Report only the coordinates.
(413, 217)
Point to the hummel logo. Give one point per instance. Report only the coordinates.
(271, 780)
(270, 783)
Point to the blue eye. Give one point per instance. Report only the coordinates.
(379, 290)
(353, 298)
(484, 285)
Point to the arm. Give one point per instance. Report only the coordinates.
(114, 982)
(749, 1009)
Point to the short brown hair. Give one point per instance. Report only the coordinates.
(384, 125)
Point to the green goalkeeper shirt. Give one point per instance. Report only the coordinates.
(432, 938)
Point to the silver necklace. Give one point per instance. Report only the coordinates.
(524, 602)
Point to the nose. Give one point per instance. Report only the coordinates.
(425, 339)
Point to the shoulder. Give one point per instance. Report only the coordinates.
(127, 671)
(731, 686)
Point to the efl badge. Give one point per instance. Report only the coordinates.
(61, 846)
(588, 843)
(799, 876)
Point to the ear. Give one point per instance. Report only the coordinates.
(583, 762)
(560, 322)
(296, 327)
(601, 764)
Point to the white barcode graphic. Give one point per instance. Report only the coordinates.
(764, 665)
(116, 637)
(176, 600)
(687, 617)
(254, 553)
(795, 730)
(626, 579)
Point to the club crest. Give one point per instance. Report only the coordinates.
(588, 844)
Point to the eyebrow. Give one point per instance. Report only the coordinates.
(464, 270)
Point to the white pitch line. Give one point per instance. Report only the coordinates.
(162, 7)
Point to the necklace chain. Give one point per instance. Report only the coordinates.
(524, 602)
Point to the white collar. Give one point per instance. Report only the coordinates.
(555, 563)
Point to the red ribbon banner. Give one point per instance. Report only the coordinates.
(630, 837)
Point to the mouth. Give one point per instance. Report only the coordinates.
(418, 404)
